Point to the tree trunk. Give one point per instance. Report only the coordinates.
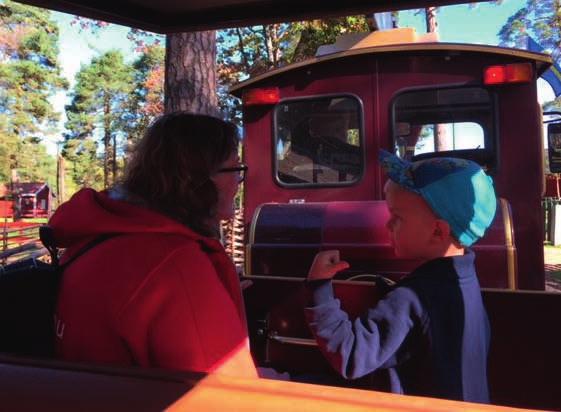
(557, 11)
(440, 134)
(190, 73)
(106, 142)
(106, 148)
(270, 36)
(441, 143)
(60, 172)
(432, 24)
(114, 158)
(241, 49)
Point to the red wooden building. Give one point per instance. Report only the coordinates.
(34, 199)
(6, 206)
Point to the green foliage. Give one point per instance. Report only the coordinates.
(34, 163)
(29, 157)
(100, 139)
(29, 70)
(98, 110)
(309, 35)
(8, 155)
(147, 99)
(112, 104)
(29, 77)
(84, 167)
(242, 52)
(540, 19)
(249, 51)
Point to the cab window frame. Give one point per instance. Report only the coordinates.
(362, 142)
(490, 136)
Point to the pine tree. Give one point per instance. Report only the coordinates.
(542, 21)
(539, 19)
(147, 99)
(99, 108)
(29, 76)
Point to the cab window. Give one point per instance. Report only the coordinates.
(445, 122)
(319, 141)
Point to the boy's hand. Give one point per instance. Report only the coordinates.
(326, 264)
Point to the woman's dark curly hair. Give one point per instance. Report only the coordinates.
(171, 166)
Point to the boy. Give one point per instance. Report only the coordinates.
(431, 330)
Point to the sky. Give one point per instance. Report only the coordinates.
(465, 23)
(77, 47)
(460, 23)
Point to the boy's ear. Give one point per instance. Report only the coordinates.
(441, 230)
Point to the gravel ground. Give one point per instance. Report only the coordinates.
(552, 257)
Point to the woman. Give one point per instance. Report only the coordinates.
(160, 291)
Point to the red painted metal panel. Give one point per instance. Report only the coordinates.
(258, 149)
(521, 175)
(287, 237)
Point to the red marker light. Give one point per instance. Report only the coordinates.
(253, 97)
(494, 75)
(509, 73)
(519, 73)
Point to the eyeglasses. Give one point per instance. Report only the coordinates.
(241, 169)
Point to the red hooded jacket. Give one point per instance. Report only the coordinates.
(156, 295)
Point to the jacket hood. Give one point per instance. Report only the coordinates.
(90, 214)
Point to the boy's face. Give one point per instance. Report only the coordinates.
(412, 224)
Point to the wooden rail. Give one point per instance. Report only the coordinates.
(20, 238)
